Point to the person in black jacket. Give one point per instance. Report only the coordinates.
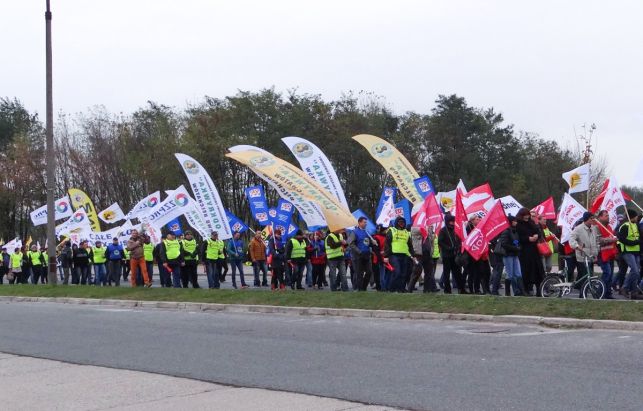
(510, 245)
(531, 265)
(450, 245)
(81, 264)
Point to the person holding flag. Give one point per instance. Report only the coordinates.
(397, 251)
(607, 254)
(510, 250)
(235, 249)
(379, 267)
(450, 245)
(335, 244)
(277, 252)
(191, 260)
(531, 265)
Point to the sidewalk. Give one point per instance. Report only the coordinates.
(55, 385)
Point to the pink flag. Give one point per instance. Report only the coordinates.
(494, 223)
(460, 217)
(479, 199)
(546, 209)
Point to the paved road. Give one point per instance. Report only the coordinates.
(412, 364)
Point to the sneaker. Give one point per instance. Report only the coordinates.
(244, 286)
(149, 284)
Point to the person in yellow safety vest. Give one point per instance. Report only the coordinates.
(549, 238)
(126, 267)
(296, 256)
(98, 257)
(148, 254)
(16, 266)
(335, 243)
(397, 251)
(630, 237)
(172, 258)
(211, 252)
(37, 263)
(191, 258)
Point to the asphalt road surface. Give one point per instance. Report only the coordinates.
(432, 365)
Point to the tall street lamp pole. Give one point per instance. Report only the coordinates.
(50, 158)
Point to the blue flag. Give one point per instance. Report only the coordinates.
(371, 228)
(424, 186)
(386, 193)
(236, 224)
(292, 230)
(175, 227)
(403, 209)
(258, 204)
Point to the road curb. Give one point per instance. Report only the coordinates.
(555, 322)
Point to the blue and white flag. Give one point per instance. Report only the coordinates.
(174, 226)
(424, 186)
(236, 224)
(403, 209)
(258, 204)
(386, 193)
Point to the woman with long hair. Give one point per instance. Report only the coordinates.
(530, 262)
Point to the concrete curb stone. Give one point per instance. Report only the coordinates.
(555, 322)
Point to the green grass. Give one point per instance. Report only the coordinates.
(571, 308)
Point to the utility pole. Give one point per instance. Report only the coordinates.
(50, 157)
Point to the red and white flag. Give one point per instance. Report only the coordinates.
(387, 214)
(478, 200)
(494, 223)
(460, 215)
(429, 214)
(612, 199)
(546, 209)
(596, 205)
(570, 212)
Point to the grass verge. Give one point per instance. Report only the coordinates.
(570, 308)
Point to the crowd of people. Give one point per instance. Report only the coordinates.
(393, 259)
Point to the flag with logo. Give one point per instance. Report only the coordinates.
(236, 224)
(596, 205)
(570, 212)
(112, 214)
(256, 197)
(429, 214)
(511, 205)
(387, 214)
(62, 208)
(403, 209)
(387, 192)
(491, 225)
(78, 222)
(612, 199)
(478, 200)
(446, 199)
(175, 227)
(424, 186)
(460, 215)
(546, 209)
(175, 205)
(80, 199)
(577, 179)
(144, 206)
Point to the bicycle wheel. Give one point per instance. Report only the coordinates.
(547, 288)
(593, 289)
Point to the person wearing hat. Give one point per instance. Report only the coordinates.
(450, 245)
(584, 241)
(114, 262)
(629, 236)
(98, 257)
(297, 256)
(397, 251)
(191, 259)
(172, 257)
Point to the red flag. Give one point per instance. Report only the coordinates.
(494, 223)
(596, 205)
(478, 199)
(429, 213)
(546, 209)
(460, 217)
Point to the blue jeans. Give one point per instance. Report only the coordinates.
(400, 265)
(237, 265)
(260, 265)
(634, 276)
(176, 273)
(309, 274)
(514, 273)
(385, 276)
(335, 268)
(100, 274)
(212, 270)
(607, 267)
(498, 267)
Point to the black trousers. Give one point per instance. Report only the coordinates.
(363, 270)
(277, 274)
(189, 275)
(450, 267)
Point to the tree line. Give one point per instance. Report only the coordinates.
(123, 157)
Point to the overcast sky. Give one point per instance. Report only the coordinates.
(548, 66)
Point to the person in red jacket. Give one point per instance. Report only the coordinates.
(607, 255)
(379, 266)
(318, 260)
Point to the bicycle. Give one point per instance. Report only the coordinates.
(557, 285)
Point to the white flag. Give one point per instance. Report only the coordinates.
(144, 206)
(206, 196)
(388, 213)
(511, 205)
(577, 179)
(173, 206)
(78, 222)
(62, 207)
(315, 163)
(612, 200)
(570, 212)
(12, 245)
(112, 214)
